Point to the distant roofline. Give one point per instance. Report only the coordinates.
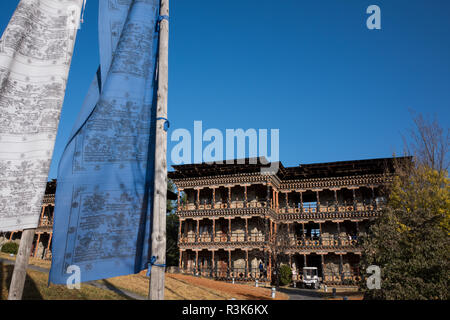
(335, 168)
(351, 161)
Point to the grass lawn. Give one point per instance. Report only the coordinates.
(177, 286)
(36, 288)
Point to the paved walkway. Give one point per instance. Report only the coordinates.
(35, 268)
(301, 294)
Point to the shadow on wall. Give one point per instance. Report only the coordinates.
(30, 292)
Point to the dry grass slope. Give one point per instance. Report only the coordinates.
(177, 287)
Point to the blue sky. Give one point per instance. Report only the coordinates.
(335, 90)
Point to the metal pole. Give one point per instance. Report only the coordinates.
(156, 287)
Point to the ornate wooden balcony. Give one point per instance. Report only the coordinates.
(222, 205)
(45, 222)
(325, 242)
(225, 273)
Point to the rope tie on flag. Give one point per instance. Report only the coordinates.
(151, 264)
(161, 18)
(166, 124)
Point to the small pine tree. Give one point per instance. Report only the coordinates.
(285, 275)
(10, 247)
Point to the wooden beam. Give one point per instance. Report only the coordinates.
(37, 245)
(245, 196)
(158, 238)
(246, 229)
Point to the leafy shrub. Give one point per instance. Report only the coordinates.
(285, 275)
(10, 247)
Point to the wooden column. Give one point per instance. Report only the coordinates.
(354, 199)
(187, 227)
(301, 201)
(49, 243)
(213, 201)
(304, 261)
(270, 230)
(278, 204)
(303, 233)
(287, 202)
(273, 199)
(37, 245)
(323, 267)
(229, 196)
(197, 231)
(213, 266)
(180, 258)
(289, 232)
(246, 263)
(275, 229)
(42, 215)
(268, 200)
(197, 203)
(213, 235)
(336, 206)
(341, 267)
(339, 233)
(245, 196)
(374, 201)
(246, 228)
(266, 259)
(179, 230)
(269, 269)
(196, 262)
(229, 262)
(229, 229)
(178, 199)
(320, 230)
(318, 201)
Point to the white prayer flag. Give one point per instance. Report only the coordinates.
(35, 55)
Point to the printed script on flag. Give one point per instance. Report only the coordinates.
(35, 55)
(105, 178)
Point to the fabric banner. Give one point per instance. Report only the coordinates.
(35, 55)
(104, 196)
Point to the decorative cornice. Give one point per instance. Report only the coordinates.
(368, 180)
(222, 245)
(279, 217)
(227, 212)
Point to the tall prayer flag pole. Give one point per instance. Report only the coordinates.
(158, 237)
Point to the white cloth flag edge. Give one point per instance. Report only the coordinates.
(35, 56)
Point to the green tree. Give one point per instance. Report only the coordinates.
(285, 275)
(10, 247)
(410, 241)
(172, 223)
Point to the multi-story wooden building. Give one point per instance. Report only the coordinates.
(43, 236)
(235, 221)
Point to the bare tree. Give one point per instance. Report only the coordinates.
(429, 143)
